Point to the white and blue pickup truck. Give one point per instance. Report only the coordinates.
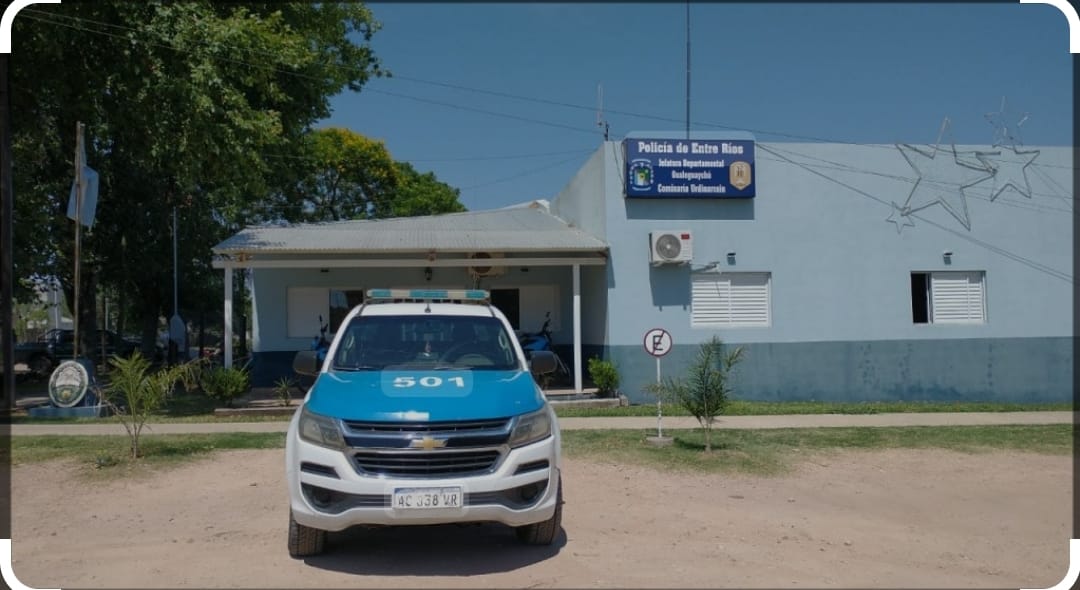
(424, 411)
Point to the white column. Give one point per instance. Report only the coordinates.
(577, 328)
(228, 315)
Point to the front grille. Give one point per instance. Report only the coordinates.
(402, 435)
(426, 464)
(354, 427)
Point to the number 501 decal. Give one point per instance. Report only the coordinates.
(429, 381)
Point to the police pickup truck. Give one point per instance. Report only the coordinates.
(425, 411)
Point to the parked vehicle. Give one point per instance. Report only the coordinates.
(427, 413)
(533, 341)
(57, 345)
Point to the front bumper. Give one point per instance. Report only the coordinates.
(326, 492)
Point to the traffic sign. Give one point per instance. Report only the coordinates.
(658, 342)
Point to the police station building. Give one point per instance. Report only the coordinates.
(847, 272)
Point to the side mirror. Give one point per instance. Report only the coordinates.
(542, 361)
(306, 362)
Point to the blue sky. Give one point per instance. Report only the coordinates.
(874, 73)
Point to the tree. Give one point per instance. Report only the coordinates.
(188, 106)
(345, 176)
(705, 391)
(423, 194)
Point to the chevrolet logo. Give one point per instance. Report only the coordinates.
(427, 443)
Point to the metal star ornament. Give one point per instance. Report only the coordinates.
(901, 217)
(1009, 167)
(1006, 126)
(943, 177)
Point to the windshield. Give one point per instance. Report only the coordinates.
(425, 342)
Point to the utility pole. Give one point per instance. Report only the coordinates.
(688, 70)
(78, 226)
(7, 259)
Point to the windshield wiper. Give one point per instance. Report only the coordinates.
(357, 368)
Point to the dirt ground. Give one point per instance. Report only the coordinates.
(853, 519)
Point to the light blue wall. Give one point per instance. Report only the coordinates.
(841, 325)
(841, 273)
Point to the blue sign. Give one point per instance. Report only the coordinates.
(689, 168)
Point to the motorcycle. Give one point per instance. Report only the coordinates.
(321, 345)
(541, 340)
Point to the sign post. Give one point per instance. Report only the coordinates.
(658, 343)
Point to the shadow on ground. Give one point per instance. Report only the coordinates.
(437, 550)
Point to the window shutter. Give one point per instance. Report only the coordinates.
(730, 299)
(957, 297)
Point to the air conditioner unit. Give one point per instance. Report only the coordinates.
(670, 247)
(486, 269)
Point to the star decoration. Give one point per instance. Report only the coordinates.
(1006, 126)
(901, 216)
(943, 176)
(1010, 170)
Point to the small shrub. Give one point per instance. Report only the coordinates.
(706, 390)
(605, 376)
(283, 390)
(225, 383)
(135, 392)
(105, 460)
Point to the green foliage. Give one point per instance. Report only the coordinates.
(134, 392)
(605, 376)
(192, 106)
(283, 390)
(225, 383)
(344, 176)
(423, 194)
(704, 393)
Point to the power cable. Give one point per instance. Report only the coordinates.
(521, 174)
(995, 249)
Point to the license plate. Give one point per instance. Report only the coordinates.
(426, 498)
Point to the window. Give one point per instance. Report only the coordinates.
(729, 299)
(307, 304)
(953, 297)
(425, 342)
(341, 303)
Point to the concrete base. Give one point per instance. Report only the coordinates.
(659, 441)
(97, 411)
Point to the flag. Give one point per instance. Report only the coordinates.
(89, 197)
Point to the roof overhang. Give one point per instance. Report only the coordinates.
(408, 261)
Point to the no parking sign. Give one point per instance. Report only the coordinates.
(658, 342)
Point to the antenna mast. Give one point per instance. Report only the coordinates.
(600, 122)
(687, 69)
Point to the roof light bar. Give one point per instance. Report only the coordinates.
(471, 295)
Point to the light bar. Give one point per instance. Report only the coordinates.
(429, 294)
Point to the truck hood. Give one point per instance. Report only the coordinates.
(424, 396)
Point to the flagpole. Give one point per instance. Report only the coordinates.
(78, 224)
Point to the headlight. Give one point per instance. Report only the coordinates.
(531, 428)
(320, 430)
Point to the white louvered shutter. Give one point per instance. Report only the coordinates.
(730, 299)
(957, 297)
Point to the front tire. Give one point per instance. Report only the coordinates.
(304, 540)
(544, 532)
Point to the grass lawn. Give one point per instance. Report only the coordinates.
(776, 451)
(196, 407)
(757, 408)
(749, 451)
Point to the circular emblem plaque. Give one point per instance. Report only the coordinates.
(68, 384)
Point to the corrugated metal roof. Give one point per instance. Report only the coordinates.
(513, 229)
